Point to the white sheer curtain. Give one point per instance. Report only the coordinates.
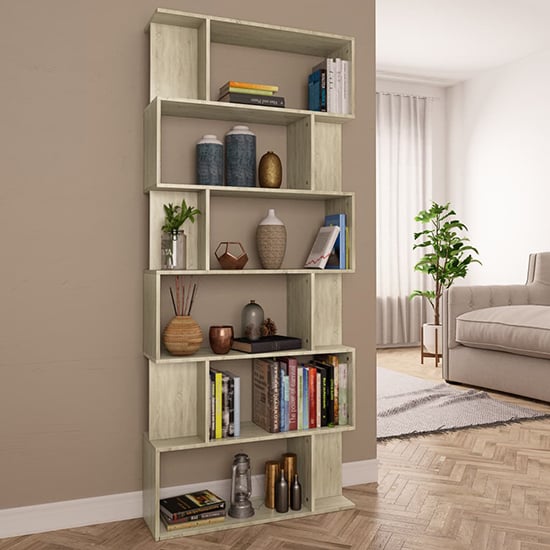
(403, 187)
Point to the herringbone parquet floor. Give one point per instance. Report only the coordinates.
(477, 489)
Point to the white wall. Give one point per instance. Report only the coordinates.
(498, 165)
(439, 127)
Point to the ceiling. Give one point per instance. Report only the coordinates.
(447, 41)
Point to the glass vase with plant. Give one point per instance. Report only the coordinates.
(173, 242)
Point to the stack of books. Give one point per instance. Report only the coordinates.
(290, 396)
(225, 404)
(251, 93)
(192, 510)
(329, 86)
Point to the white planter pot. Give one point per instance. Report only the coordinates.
(429, 332)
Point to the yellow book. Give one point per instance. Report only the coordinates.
(250, 85)
(218, 385)
(253, 91)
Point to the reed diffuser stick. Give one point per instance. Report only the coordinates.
(173, 302)
(192, 298)
(178, 294)
(188, 300)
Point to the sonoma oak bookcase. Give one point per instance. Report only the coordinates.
(180, 73)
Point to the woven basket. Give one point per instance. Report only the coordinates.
(182, 335)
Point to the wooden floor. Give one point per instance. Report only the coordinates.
(475, 489)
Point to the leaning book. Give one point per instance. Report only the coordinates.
(322, 247)
(190, 504)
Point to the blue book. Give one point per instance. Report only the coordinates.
(281, 398)
(287, 402)
(314, 91)
(337, 258)
(305, 385)
(317, 90)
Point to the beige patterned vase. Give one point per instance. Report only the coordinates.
(271, 241)
(182, 335)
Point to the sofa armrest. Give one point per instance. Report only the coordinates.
(460, 299)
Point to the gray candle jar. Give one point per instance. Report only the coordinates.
(240, 157)
(209, 161)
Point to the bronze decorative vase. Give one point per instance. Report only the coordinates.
(182, 335)
(270, 171)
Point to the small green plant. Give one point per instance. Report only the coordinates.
(176, 216)
(450, 254)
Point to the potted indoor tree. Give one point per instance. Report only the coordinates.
(447, 258)
(173, 242)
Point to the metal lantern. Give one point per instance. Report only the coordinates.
(241, 488)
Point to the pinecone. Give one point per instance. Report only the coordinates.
(269, 328)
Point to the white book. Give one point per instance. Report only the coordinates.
(322, 247)
(339, 99)
(343, 394)
(345, 87)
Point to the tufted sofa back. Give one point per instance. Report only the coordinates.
(460, 299)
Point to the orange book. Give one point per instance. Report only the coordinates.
(250, 85)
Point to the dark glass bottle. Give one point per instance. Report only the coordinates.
(296, 494)
(281, 494)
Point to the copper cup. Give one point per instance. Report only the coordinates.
(221, 338)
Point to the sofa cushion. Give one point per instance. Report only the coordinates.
(524, 330)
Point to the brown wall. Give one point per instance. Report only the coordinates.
(73, 239)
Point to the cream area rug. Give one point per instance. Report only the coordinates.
(409, 406)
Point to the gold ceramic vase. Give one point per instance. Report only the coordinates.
(182, 335)
(270, 170)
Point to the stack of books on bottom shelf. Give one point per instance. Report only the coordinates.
(290, 396)
(192, 510)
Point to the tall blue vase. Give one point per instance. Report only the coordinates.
(240, 157)
(209, 161)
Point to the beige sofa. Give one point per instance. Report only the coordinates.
(498, 337)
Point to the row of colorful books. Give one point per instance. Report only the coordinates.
(192, 510)
(251, 93)
(225, 404)
(287, 395)
(329, 86)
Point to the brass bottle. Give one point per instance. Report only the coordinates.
(270, 170)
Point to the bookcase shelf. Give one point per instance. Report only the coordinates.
(181, 84)
(250, 433)
(205, 354)
(264, 515)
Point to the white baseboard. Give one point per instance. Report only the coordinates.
(40, 518)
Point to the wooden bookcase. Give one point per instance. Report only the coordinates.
(180, 73)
